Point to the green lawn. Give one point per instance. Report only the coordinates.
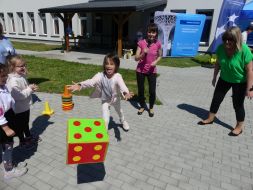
(178, 62)
(168, 61)
(51, 75)
(35, 46)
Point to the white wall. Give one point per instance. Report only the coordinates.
(24, 6)
(136, 20)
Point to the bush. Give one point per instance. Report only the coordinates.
(205, 59)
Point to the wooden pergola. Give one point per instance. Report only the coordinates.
(120, 11)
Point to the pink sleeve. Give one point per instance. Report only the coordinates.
(122, 86)
(91, 82)
(141, 44)
(159, 45)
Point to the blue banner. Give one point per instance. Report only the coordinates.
(229, 14)
(187, 34)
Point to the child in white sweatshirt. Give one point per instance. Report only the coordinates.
(21, 91)
(109, 85)
(7, 128)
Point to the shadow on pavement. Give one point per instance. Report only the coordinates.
(40, 124)
(38, 127)
(202, 114)
(35, 98)
(90, 172)
(115, 127)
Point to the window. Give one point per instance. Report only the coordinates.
(2, 21)
(204, 40)
(98, 24)
(11, 22)
(55, 24)
(31, 23)
(21, 23)
(43, 23)
(151, 17)
(178, 11)
(83, 23)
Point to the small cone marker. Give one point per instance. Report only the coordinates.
(66, 92)
(48, 110)
(67, 103)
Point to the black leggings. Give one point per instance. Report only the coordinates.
(238, 90)
(22, 120)
(152, 88)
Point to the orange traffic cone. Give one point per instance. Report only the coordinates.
(66, 92)
(48, 110)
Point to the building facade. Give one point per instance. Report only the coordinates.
(24, 21)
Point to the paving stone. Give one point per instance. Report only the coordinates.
(169, 151)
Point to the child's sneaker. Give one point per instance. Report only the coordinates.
(15, 172)
(20, 165)
(125, 126)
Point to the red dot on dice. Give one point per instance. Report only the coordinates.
(77, 123)
(77, 135)
(99, 135)
(87, 129)
(97, 123)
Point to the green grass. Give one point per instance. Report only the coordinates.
(35, 46)
(178, 62)
(51, 75)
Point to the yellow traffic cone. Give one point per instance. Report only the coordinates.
(48, 110)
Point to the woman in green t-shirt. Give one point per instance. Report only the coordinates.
(234, 60)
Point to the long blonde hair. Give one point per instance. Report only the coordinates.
(234, 34)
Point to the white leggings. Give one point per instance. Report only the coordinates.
(106, 111)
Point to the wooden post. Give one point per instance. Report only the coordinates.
(120, 34)
(66, 19)
(120, 22)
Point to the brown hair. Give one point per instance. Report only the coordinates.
(233, 34)
(115, 60)
(3, 69)
(152, 27)
(11, 61)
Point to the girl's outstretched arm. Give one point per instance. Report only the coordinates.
(85, 84)
(74, 87)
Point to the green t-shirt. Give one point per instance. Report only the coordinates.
(233, 69)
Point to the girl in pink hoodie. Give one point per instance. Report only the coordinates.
(109, 85)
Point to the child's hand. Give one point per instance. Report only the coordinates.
(153, 63)
(128, 96)
(74, 87)
(146, 50)
(8, 131)
(34, 87)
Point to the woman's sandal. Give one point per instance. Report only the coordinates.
(151, 113)
(140, 111)
(202, 123)
(236, 134)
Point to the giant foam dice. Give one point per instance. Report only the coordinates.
(87, 141)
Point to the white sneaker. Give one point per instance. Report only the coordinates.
(15, 172)
(21, 165)
(125, 126)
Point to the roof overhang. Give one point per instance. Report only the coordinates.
(107, 6)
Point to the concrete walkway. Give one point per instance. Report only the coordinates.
(167, 152)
